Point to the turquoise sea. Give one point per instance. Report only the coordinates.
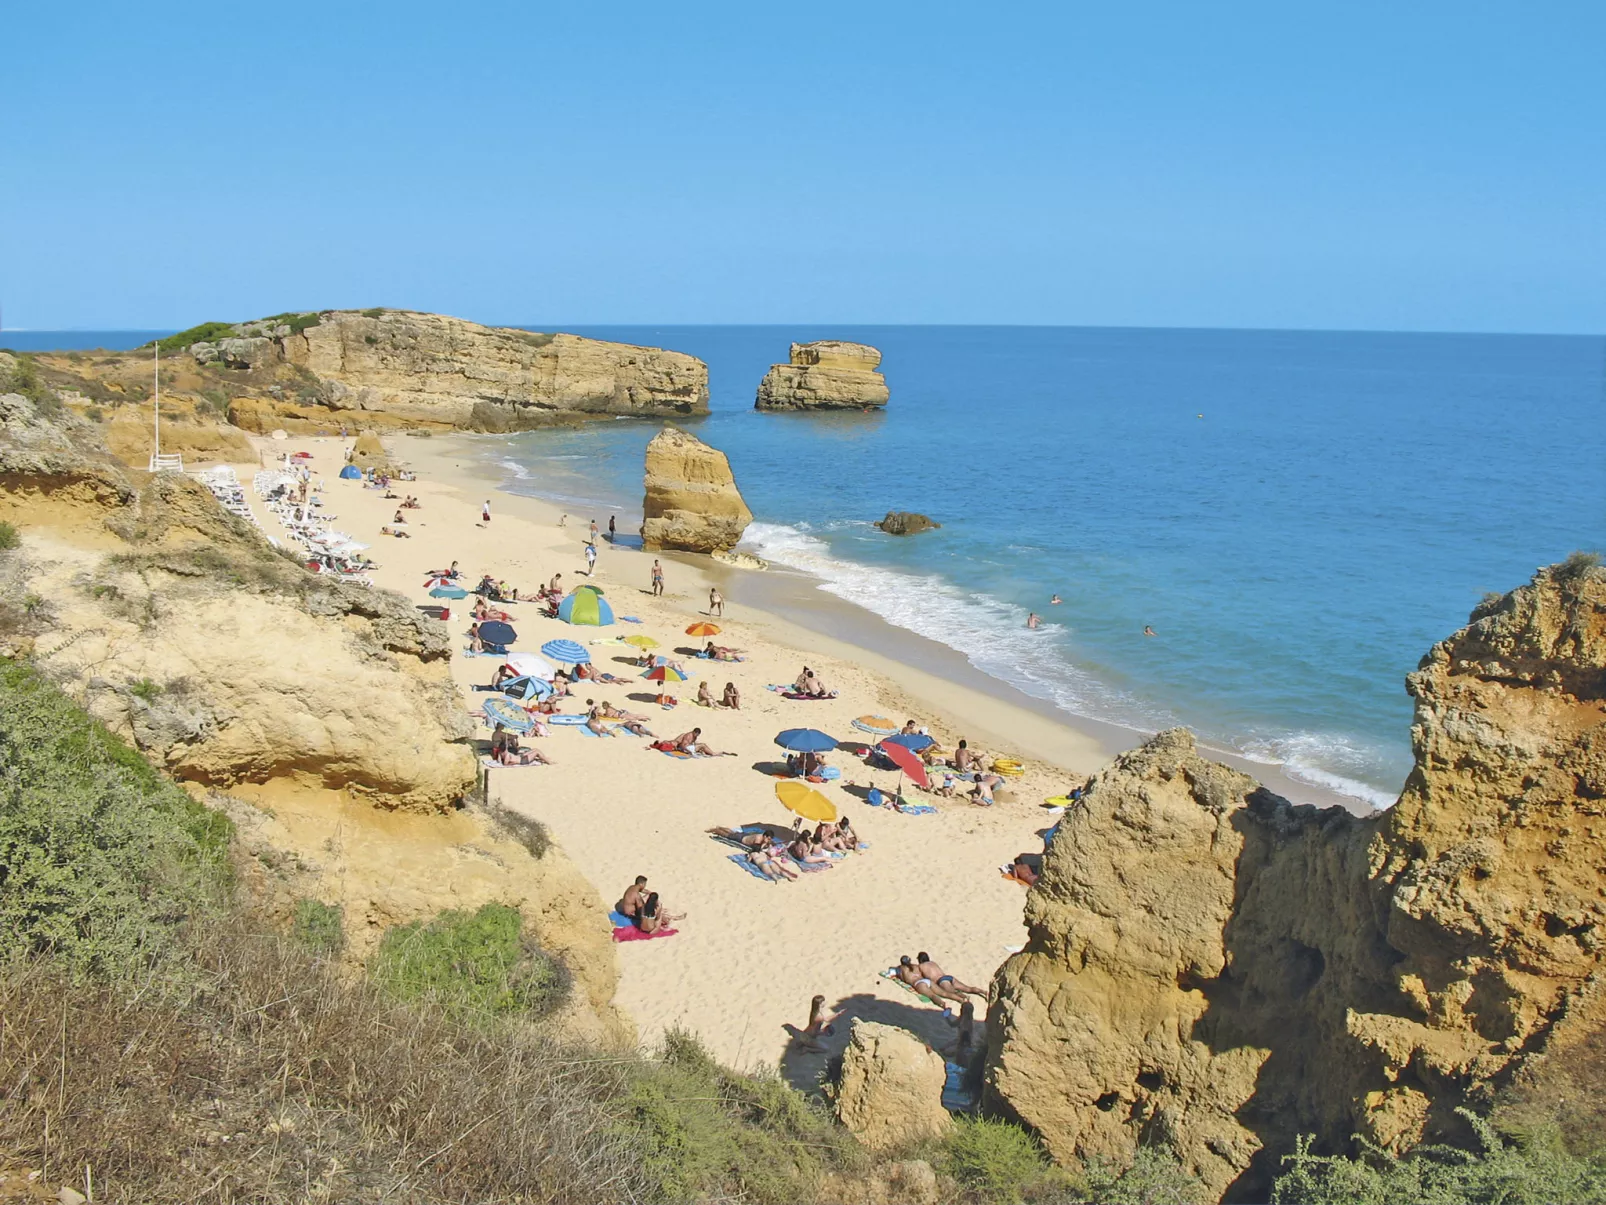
(1298, 515)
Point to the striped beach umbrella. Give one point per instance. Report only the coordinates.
(566, 651)
(507, 713)
(877, 726)
(664, 673)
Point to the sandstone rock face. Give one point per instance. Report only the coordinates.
(431, 370)
(692, 503)
(828, 375)
(1215, 968)
(906, 523)
(890, 1093)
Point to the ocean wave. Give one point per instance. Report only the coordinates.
(1326, 760)
(991, 634)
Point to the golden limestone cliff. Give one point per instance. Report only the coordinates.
(828, 375)
(320, 715)
(1213, 968)
(692, 503)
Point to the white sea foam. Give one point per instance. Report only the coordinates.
(993, 637)
(991, 634)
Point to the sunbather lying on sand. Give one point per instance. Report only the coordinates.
(911, 974)
(807, 849)
(766, 857)
(692, 742)
(635, 724)
(1025, 868)
(718, 652)
(941, 978)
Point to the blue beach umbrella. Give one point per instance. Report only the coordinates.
(448, 592)
(805, 740)
(508, 714)
(567, 651)
(526, 687)
(912, 741)
(494, 631)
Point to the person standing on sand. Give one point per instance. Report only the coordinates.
(657, 580)
(613, 528)
(716, 602)
(591, 559)
(485, 512)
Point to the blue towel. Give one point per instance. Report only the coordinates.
(629, 619)
(918, 809)
(741, 860)
(620, 920)
(566, 719)
(956, 1098)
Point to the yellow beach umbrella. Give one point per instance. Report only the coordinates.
(808, 803)
(703, 629)
(641, 642)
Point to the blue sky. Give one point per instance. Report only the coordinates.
(1424, 165)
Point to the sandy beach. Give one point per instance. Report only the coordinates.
(749, 954)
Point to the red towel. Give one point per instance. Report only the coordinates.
(631, 933)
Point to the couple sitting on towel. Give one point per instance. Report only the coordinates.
(644, 908)
(505, 749)
(808, 684)
(732, 697)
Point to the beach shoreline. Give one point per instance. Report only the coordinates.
(809, 618)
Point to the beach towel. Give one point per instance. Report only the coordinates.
(956, 1098)
(888, 975)
(800, 698)
(676, 753)
(619, 919)
(741, 860)
(628, 619)
(493, 651)
(576, 721)
(631, 933)
(808, 867)
(490, 763)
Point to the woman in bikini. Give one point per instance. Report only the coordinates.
(652, 916)
(733, 697)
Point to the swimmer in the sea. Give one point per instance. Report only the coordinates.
(1055, 601)
(1148, 631)
(1032, 620)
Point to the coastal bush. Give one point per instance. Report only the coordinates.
(10, 537)
(526, 830)
(1577, 565)
(471, 965)
(708, 1133)
(146, 689)
(296, 321)
(206, 332)
(376, 312)
(995, 1161)
(1533, 1170)
(319, 926)
(1155, 1177)
(101, 859)
(24, 378)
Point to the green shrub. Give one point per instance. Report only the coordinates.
(994, 1161)
(1577, 565)
(10, 537)
(470, 964)
(146, 689)
(1154, 1178)
(101, 859)
(1534, 1171)
(377, 312)
(319, 926)
(708, 1133)
(296, 321)
(24, 379)
(94, 413)
(216, 400)
(206, 332)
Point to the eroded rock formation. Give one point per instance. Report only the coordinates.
(397, 368)
(828, 375)
(890, 1090)
(1212, 967)
(906, 523)
(692, 503)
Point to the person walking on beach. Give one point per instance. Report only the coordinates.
(593, 531)
(485, 512)
(613, 528)
(591, 559)
(716, 602)
(657, 579)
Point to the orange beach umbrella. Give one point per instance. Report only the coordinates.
(703, 629)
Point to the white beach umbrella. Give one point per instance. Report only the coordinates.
(529, 663)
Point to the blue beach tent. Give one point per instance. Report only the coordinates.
(351, 473)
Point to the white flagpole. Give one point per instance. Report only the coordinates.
(156, 449)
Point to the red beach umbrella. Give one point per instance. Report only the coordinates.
(908, 763)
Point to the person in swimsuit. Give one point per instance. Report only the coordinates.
(963, 757)
(1148, 631)
(691, 742)
(924, 984)
(705, 694)
(630, 903)
(653, 916)
(716, 603)
(732, 697)
(821, 1024)
(804, 849)
(1032, 620)
(942, 979)
(657, 579)
(766, 857)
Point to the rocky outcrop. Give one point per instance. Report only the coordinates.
(393, 367)
(692, 503)
(56, 461)
(890, 1091)
(828, 375)
(1212, 967)
(906, 523)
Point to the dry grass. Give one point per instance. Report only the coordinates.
(268, 1079)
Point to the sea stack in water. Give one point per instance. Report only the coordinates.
(828, 375)
(1209, 963)
(692, 502)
